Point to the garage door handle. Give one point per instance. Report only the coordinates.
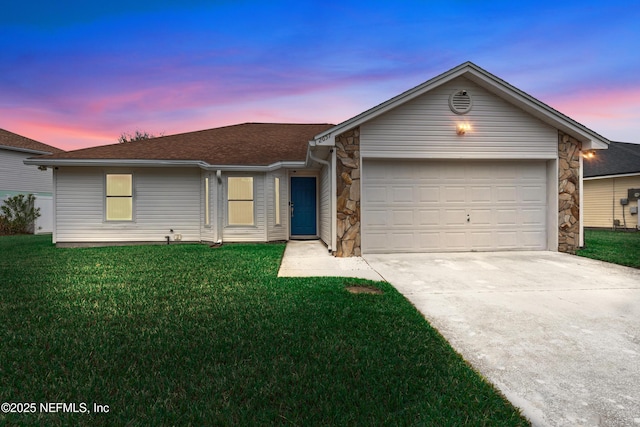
(468, 218)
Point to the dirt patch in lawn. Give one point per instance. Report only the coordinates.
(363, 289)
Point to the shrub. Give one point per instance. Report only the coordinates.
(18, 214)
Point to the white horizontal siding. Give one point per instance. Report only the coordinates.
(277, 232)
(257, 232)
(426, 128)
(17, 177)
(164, 199)
(325, 205)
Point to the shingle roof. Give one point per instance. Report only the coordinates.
(250, 144)
(10, 139)
(620, 158)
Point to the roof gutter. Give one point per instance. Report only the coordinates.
(620, 175)
(24, 150)
(161, 163)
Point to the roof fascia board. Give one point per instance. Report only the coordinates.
(24, 150)
(622, 175)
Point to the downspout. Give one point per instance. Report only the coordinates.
(334, 201)
(581, 209)
(54, 231)
(219, 208)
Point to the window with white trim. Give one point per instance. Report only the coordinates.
(119, 197)
(240, 200)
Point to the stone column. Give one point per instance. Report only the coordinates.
(568, 193)
(348, 193)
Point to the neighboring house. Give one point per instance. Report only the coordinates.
(18, 178)
(612, 187)
(462, 162)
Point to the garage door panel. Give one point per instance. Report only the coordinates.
(429, 217)
(533, 216)
(505, 240)
(402, 217)
(454, 240)
(454, 217)
(481, 240)
(375, 194)
(506, 194)
(401, 240)
(533, 194)
(480, 194)
(533, 239)
(416, 206)
(402, 194)
(505, 172)
(429, 194)
(377, 240)
(452, 194)
(480, 217)
(376, 218)
(429, 240)
(506, 217)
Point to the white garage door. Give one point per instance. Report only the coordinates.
(430, 206)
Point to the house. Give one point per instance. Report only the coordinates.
(612, 187)
(462, 162)
(17, 178)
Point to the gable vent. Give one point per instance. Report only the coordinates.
(460, 101)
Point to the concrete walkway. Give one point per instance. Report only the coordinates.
(306, 258)
(558, 334)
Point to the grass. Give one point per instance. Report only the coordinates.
(618, 247)
(189, 335)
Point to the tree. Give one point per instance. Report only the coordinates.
(136, 136)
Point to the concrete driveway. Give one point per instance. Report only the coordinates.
(558, 334)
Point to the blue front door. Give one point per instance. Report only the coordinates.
(303, 206)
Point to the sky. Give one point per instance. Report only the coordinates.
(77, 74)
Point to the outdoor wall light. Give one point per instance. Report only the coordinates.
(463, 128)
(589, 154)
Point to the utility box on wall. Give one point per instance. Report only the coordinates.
(634, 194)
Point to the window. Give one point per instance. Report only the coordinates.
(119, 197)
(277, 199)
(207, 219)
(240, 196)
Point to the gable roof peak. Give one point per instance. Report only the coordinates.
(493, 84)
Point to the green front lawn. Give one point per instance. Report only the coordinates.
(187, 334)
(618, 247)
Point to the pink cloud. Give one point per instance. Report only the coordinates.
(614, 113)
(606, 104)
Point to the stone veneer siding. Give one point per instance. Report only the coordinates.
(348, 193)
(569, 151)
